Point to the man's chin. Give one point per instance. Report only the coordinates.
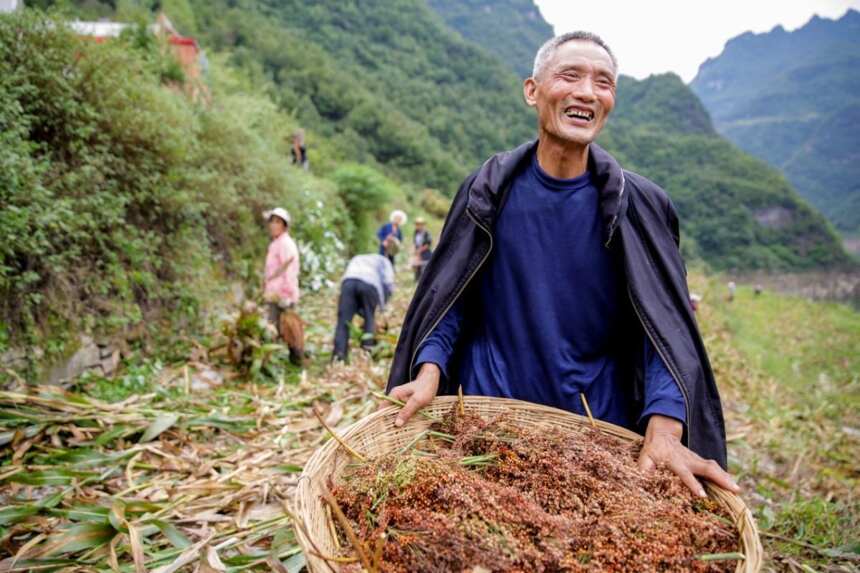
(579, 138)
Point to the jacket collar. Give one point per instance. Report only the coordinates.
(491, 184)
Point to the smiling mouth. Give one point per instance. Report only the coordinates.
(582, 114)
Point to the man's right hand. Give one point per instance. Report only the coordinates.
(418, 393)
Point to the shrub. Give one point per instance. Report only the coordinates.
(365, 192)
(435, 203)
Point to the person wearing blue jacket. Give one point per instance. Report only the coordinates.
(390, 235)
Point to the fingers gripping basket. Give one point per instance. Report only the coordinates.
(376, 435)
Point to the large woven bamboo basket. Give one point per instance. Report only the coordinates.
(376, 435)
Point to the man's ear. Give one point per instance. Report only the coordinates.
(530, 91)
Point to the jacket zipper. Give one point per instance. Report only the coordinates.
(459, 292)
(668, 364)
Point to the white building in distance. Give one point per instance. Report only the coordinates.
(10, 5)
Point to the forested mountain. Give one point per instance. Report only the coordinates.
(793, 99)
(736, 212)
(512, 30)
(387, 78)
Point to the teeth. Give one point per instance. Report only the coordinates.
(586, 115)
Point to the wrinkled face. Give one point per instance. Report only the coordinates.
(574, 93)
(276, 227)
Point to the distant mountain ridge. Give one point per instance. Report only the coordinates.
(793, 99)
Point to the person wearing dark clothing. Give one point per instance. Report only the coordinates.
(572, 336)
(390, 235)
(558, 275)
(366, 285)
(298, 150)
(422, 242)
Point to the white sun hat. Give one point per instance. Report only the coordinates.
(278, 212)
(398, 214)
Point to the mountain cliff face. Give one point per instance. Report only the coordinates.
(793, 99)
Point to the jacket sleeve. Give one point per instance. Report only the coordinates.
(428, 294)
(672, 222)
(675, 229)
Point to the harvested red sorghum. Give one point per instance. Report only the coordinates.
(478, 494)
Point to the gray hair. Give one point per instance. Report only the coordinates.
(550, 46)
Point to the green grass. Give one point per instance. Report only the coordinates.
(789, 374)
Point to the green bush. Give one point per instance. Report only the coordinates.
(365, 192)
(435, 203)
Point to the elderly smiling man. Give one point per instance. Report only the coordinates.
(558, 280)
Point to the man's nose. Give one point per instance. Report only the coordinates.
(584, 90)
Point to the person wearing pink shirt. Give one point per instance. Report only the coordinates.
(281, 283)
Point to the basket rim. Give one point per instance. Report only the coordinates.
(305, 503)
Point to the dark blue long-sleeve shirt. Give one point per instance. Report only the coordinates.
(544, 323)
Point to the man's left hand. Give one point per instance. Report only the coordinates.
(663, 447)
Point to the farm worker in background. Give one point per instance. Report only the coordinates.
(732, 287)
(366, 285)
(298, 149)
(281, 283)
(422, 241)
(695, 299)
(558, 280)
(390, 235)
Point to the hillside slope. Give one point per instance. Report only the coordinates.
(123, 203)
(386, 77)
(512, 30)
(793, 99)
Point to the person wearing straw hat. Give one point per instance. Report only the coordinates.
(390, 235)
(281, 283)
(558, 280)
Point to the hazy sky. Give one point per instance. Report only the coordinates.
(654, 36)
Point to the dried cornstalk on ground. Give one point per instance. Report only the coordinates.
(472, 493)
(173, 480)
(86, 484)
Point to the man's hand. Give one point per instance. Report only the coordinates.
(417, 393)
(663, 447)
